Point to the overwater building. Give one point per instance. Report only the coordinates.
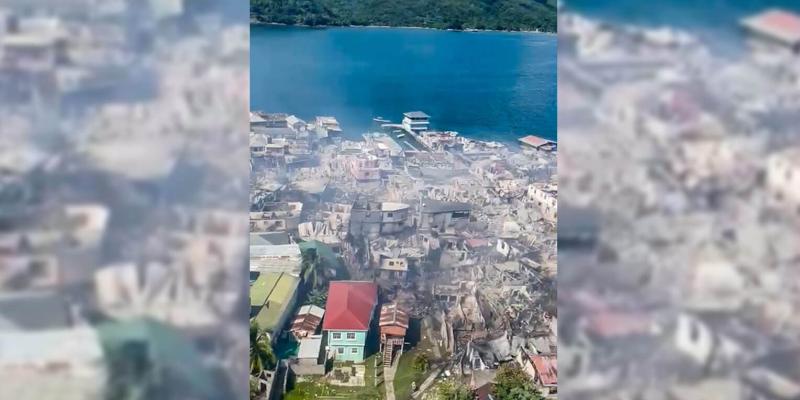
(774, 29)
(327, 127)
(269, 120)
(416, 121)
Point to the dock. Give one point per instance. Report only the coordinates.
(408, 140)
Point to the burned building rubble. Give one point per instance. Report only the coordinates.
(678, 171)
(459, 233)
(117, 174)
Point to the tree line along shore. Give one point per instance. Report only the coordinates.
(498, 15)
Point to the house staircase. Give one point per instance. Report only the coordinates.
(389, 370)
(387, 355)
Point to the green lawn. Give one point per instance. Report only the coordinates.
(369, 373)
(317, 390)
(405, 371)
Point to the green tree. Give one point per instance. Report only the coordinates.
(450, 390)
(134, 376)
(313, 270)
(318, 297)
(512, 383)
(261, 355)
(521, 393)
(441, 14)
(420, 362)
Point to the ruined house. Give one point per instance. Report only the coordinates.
(543, 370)
(442, 216)
(774, 376)
(373, 219)
(393, 269)
(545, 197)
(279, 216)
(783, 179)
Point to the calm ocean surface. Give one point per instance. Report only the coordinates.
(487, 85)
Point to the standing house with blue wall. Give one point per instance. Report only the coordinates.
(348, 317)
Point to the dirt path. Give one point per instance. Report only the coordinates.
(388, 382)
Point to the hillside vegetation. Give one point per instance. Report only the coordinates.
(514, 15)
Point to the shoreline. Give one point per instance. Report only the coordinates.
(509, 139)
(256, 22)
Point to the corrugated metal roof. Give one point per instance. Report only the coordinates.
(778, 24)
(391, 314)
(272, 292)
(416, 114)
(308, 319)
(309, 347)
(546, 368)
(535, 141)
(282, 250)
(430, 206)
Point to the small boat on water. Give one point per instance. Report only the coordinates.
(402, 135)
(381, 120)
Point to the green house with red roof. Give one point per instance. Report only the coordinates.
(348, 317)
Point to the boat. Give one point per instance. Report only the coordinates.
(402, 135)
(381, 120)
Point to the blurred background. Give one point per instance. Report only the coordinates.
(123, 199)
(679, 200)
(123, 190)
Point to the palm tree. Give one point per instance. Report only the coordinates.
(313, 272)
(261, 355)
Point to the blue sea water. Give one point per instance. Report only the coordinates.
(485, 85)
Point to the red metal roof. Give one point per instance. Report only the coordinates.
(546, 368)
(475, 243)
(535, 141)
(391, 314)
(305, 323)
(350, 305)
(780, 24)
(782, 20)
(484, 392)
(617, 324)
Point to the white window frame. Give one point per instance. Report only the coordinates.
(354, 350)
(337, 336)
(340, 350)
(351, 338)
